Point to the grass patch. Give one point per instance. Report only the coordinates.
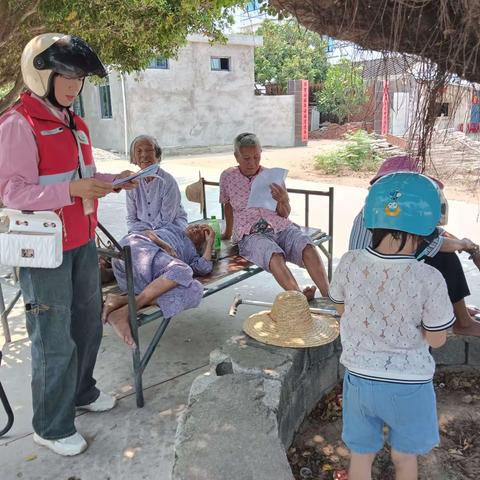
(357, 155)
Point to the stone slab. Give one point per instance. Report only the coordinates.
(228, 432)
(452, 353)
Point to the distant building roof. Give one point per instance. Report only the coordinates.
(386, 67)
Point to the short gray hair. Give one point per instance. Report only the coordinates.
(149, 138)
(246, 140)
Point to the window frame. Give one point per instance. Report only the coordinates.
(220, 58)
(105, 95)
(78, 106)
(156, 66)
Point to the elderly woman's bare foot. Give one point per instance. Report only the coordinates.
(473, 311)
(118, 319)
(111, 303)
(467, 328)
(309, 292)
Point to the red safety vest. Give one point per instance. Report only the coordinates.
(59, 162)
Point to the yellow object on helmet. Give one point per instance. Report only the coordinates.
(51, 53)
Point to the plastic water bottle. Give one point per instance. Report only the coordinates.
(218, 232)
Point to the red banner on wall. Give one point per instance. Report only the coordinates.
(304, 111)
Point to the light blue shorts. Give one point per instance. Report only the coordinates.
(409, 412)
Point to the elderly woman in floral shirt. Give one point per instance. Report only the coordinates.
(266, 237)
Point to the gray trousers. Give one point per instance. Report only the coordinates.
(63, 309)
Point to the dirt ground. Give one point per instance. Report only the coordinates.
(459, 185)
(317, 451)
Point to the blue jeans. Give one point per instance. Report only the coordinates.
(63, 308)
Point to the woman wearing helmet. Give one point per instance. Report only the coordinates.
(47, 164)
(393, 308)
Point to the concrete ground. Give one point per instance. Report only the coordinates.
(136, 443)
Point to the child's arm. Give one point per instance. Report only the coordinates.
(340, 308)
(435, 339)
(227, 234)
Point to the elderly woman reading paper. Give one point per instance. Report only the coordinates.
(266, 236)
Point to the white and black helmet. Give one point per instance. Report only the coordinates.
(51, 53)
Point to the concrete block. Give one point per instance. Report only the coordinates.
(317, 355)
(228, 432)
(250, 360)
(322, 378)
(291, 412)
(272, 393)
(473, 351)
(201, 383)
(452, 353)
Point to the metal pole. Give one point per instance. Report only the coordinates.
(132, 316)
(330, 232)
(4, 317)
(125, 122)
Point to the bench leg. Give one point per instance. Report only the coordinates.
(137, 374)
(6, 406)
(4, 319)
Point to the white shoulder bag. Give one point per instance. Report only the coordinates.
(30, 239)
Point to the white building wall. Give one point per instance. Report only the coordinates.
(189, 105)
(273, 118)
(105, 132)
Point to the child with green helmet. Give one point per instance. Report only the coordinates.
(393, 309)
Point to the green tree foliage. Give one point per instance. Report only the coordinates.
(289, 52)
(344, 91)
(125, 33)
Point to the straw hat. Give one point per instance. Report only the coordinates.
(195, 192)
(291, 324)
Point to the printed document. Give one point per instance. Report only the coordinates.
(260, 193)
(146, 172)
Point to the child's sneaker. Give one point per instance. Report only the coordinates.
(69, 446)
(103, 403)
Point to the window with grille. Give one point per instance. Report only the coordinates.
(78, 106)
(220, 63)
(159, 63)
(105, 100)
